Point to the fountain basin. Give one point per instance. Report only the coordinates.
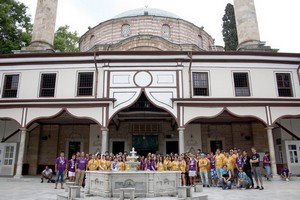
(146, 183)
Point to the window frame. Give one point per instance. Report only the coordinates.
(122, 28)
(208, 84)
(78, 83)
(291, 83)
(169, 31)
(40, 84)
(248, 82)
(4, 84)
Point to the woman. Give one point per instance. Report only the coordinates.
(226, 178)
(182, 165)
(159, 164)
(71, 168)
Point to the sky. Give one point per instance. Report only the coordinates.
(278, 20)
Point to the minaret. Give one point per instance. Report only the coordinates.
(247, 27)
(43, 27)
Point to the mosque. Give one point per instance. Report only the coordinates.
(151, 80)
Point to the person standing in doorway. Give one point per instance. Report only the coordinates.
(60, 169)
(254, 161)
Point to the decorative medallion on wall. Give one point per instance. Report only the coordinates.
(142, 79)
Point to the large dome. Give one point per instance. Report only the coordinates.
(146, 11)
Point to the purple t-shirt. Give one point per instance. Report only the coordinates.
(61, 163)
(239, 161)
(192, 164)
(71, 165)
(142, 165)
(212, 163)
(153, 165)
(285, 171)
(148, 163)
(81, 163)
(266, 158)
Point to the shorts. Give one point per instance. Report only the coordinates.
(213, 173)
(71, 173)
(256, 172)
(192, 173)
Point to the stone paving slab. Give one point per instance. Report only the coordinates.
(30, 188)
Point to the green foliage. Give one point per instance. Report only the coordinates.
(15, 26)
(65, 40)
(229, 29)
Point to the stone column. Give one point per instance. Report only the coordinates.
(246, 23)
(104, 140)
(21, 153)
(181, 140)
(44, 25)
(272, 153)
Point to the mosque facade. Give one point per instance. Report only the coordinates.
(151, 80)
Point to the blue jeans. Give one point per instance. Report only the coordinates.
(204, 175)
(224, 185)
(268, 170)
(60, 176)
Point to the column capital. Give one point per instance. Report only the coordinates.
(269, 127)
(181, 129)
(23, 129)
(104, 129)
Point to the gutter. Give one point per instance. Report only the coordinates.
(97, 75)
(190, 55)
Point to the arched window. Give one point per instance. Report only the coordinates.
(200, 41)
(125, 30)
(165, 31)
(92, 41)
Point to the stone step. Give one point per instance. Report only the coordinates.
(62, 197)
(195, 197)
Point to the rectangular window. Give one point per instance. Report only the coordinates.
(47, 87)
(8, 155)
(85, 84)
(241, 84)
(200, 83)
(284, 84)
(11, 84)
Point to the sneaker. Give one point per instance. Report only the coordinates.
(207, 186)
(203, 185)
(42, 181)
(261, 188)
(257, 187)
(48, 181)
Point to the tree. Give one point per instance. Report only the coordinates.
(65, 40)
(229, 29)
(15, 26)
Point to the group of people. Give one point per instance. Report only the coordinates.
(224, 169)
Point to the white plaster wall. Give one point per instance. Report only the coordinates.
(7, 128)
(95, 139)
(291, 124)
(258, 112)
(13, 113)
(192, 138)
(193, 112)
(278, 112)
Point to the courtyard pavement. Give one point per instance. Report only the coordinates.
(30, 188)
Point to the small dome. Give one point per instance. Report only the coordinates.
(146, 11)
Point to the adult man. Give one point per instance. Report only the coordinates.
(47, 174)
(219, 157)
(203, 164)
(254, 161)
(285, 173)
(247, 167)
(80, 166)
(60, 169)
(93, 163)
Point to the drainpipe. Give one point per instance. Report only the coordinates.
(190, 55)
(97, 74)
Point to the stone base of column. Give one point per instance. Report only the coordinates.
(276, 177)
(18, 176)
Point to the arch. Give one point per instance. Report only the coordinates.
(10, 119)
(142, 91)
(61, 112)
(284, 117)
(232, 114)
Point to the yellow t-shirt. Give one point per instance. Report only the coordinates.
(122, 166)
(102, 164)
(175, 166)
(108, 163)
(160, 166)
(183, 166)
(167, 165)
(233, 156)
(203, 163)
(229, 162)
(93, 164)
(219, 160)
